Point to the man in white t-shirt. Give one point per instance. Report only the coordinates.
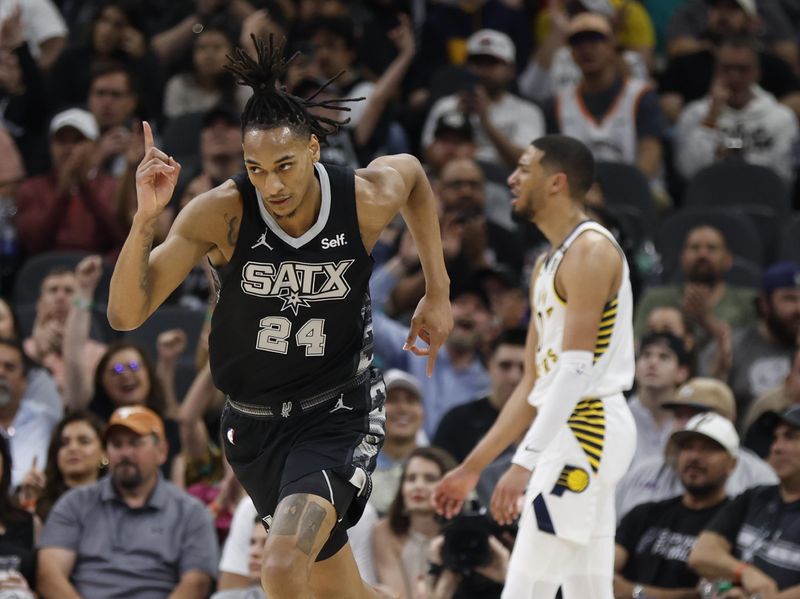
(504, 123)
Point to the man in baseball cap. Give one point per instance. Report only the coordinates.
(504, 123)
(754, 541)
(658, 479)
(706, 448)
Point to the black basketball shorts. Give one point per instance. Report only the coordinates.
(326, 445)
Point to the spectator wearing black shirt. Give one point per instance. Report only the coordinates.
(688, 77)
(17, 552)
(654, 540)
(755, 539)
(462, 427)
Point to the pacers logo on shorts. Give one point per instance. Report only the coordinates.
(572, 479)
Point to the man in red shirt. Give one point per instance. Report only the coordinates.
(72, 206)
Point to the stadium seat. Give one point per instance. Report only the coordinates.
(164, 319)
(740, 234)
(625, 185)
(731, 183)
(790, 240)
(744, 273)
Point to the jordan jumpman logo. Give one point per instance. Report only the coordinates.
(340, 405)
(261, 241)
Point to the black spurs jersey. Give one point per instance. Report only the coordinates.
(293, 316)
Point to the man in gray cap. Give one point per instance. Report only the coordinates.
(654, 540)
(657, 479)
(754, 541)
(72, 206)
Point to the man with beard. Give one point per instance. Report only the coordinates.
(707, 301)
(654, 540)
(25, 424)
(754, 540)
(689, 77)
(131, 534)
(460, 375)
(762, 353)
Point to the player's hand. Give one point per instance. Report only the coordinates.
(453, 489)
(156, 177)
(508, 493)
(432, 322)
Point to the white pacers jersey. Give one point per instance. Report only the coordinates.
(612, 139)
(613, 368)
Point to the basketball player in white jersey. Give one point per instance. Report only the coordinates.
(579, 360)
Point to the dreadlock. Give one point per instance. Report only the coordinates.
(271, 105)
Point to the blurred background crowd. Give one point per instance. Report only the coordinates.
(112, 481)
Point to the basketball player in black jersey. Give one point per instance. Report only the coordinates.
(291, 338)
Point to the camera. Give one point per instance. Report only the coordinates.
(466, 538)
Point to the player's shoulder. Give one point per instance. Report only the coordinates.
(207, 213)
(593, 247)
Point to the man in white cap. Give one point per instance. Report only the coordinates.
(504, 123)
(72, 206)
(654, 540)
(754, 541)
(656, 479)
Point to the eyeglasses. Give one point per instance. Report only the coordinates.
(581, 37)
(120, 367)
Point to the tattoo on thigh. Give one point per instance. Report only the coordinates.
(312, 522)
(288, 518)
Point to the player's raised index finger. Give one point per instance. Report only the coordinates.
(148, 136)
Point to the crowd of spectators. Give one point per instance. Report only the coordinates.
(112, 482)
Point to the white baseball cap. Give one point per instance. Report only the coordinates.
(603, 7)
(710, 424)
(395, 378)
(748, 6)
(76, 118)
(490, 42)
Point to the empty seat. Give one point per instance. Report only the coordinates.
(730, 183)
(625, 185)
(790, 240)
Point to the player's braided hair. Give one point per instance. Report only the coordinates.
(271, 105)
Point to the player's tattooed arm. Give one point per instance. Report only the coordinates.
(232, 223)
(148, 232)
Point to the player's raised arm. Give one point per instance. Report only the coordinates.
(403, 177)
(141, 279)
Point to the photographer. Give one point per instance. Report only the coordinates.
(401, 540)
(469, 560)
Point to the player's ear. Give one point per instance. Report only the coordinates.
(313, 147)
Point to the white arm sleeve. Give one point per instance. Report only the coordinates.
(569, 384)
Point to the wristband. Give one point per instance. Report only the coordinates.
(82, 303)
(738, 571)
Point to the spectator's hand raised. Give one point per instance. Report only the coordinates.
(156, 177)
(31, 487)
(170, 345)
(88, 273)
(403, 36)
(132, 42)
(12, 30)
